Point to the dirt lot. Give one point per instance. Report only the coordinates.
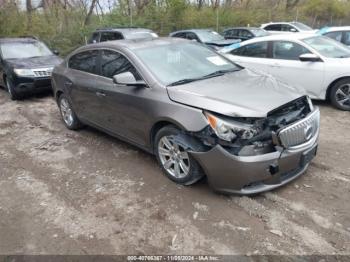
(65, 192)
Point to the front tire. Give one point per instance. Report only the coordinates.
(171, 149)
(68, 115)
(11, 89)
(340, 95)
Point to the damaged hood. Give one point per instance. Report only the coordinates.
(35, 62)
(244, 93)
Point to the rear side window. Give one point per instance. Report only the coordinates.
(230, 33)
(335, 35)
(252, 50)
(288, 50)
(245, 34)
(288, 28)
(84, 61)
(346, 38)
(113, 63)
(275, 27)
(110, 36)
(95, 37)
(180, 35)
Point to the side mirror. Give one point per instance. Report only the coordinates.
(56, 52)
(127, 79)
(293, 30)
(309, 58)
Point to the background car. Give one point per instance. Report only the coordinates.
(119, 33)
(193, 109)
(205, 36)
(286, 28)
(26, 65)
(244, 33)
(340, 34)
(318, 64)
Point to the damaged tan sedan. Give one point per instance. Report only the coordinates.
(199, 113)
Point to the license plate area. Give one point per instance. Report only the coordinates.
(308, 156)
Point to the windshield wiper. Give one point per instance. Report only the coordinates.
(184, 81)
(214, 74)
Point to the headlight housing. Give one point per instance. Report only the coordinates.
(228, 130)
(24, 72)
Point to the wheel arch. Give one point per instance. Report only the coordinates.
(329, 88)
(159, 125)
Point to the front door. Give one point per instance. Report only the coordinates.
(286, 66)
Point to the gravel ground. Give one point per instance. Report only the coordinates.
(66, 192)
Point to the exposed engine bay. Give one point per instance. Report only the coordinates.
(256, 136)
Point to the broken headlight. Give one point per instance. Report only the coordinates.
(228, 129)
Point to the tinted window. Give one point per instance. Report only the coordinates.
(231, 33)
(110, 36)
(288, 28)
(191, 36)
(288, 50)
(335, 35)
(276, 27)
(245, 34)
(347, 38)
(113, 63)
(252, 50)
(95, 38)
(84, 61)
(180, 35)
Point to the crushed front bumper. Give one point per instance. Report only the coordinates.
(246, 175)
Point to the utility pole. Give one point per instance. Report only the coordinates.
(130, 11)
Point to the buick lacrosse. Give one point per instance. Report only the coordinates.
(198, 112)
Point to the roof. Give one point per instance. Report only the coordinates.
(123, 29)
(17, 39)
(333, 29)
(135, 43)
(244, 27)
(191, 30)
(294, 36)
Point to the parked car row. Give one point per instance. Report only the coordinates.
(200, 106)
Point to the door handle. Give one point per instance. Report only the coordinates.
(276, 65)
(68, 83)
(100, 94)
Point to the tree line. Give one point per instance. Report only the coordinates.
(66, 24)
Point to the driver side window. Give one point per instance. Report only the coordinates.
(288, 50)
(113, 63)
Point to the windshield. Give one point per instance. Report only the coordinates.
(24, 50)
(302, 26)
(139, 35)
(328, 47)
(209, 36)
(176, 62)
(259, 32)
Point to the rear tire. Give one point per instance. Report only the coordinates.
(340, 95)
(68, 115)
(171, 148)
(11, 90)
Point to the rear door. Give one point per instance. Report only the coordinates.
(80, 83)
(287, 66)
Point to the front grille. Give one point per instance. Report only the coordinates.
(301, 131)
(43, 72)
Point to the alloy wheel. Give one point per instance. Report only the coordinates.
(342, 95)
(173, 157)
(66, 112)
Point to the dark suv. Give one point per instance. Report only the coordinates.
(129, 33)
(26, 65)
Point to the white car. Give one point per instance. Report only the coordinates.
(317, 64)
(286, 28)
(339, 33)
